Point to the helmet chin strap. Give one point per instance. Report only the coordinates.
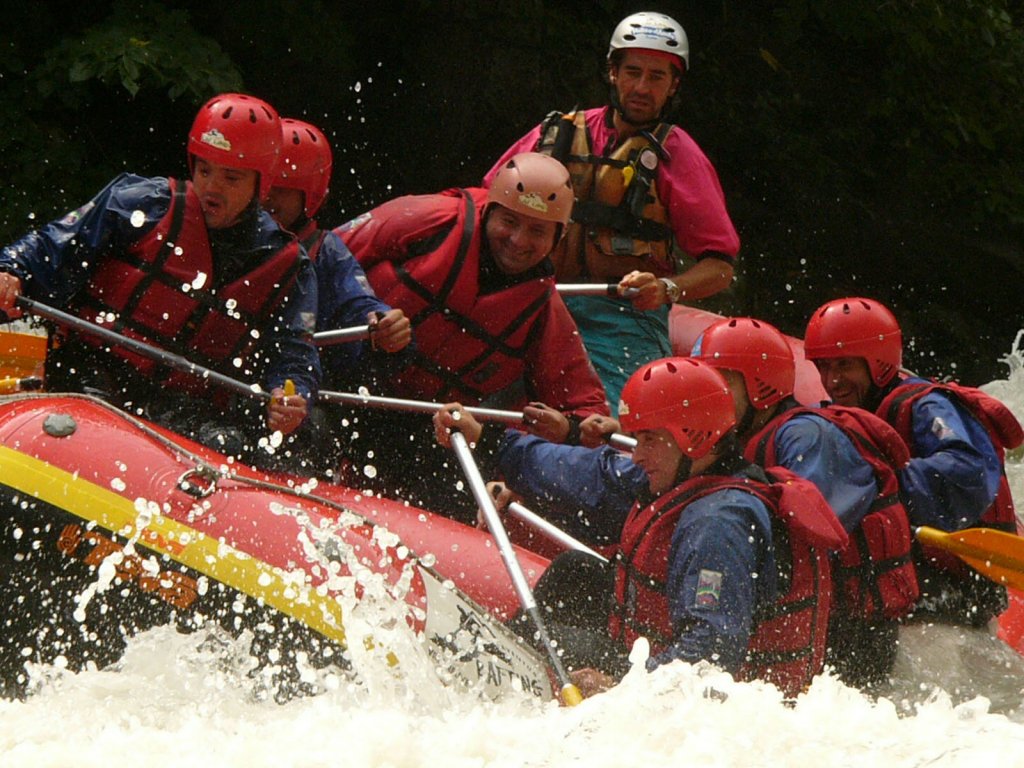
(745, 423)
(683, 470)
(876, 394)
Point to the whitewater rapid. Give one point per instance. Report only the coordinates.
(185, 700)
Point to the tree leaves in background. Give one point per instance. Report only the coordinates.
(863, 146)
(138, 45)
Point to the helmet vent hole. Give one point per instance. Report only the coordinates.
(227, 112)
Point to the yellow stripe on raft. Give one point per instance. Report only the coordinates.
(185, 545)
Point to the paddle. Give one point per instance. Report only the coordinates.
(511, 418)
(995, 554)
(595, 289)
(551, 530)
(345, 335)
(169, 359)
(570, 694)
(416, 406)
(342, 335)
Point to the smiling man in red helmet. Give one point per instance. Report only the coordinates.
(194, 267)
(957, 437)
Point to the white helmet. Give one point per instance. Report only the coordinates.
(654, 32)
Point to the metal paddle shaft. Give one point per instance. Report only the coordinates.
(616, 439)
(171, 360)
(622, 442)
(417, 406)
(595, 289)
(570, 693)
(552, 531)
(342, 335)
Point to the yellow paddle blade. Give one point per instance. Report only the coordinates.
(992, 553)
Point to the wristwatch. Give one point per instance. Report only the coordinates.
(672, 291)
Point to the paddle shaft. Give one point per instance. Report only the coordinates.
(512, 418)
(342, 335)
(416, 406)
(162, 356)
(595, 289)
(570, 693)
(552, 531)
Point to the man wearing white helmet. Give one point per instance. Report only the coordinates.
(645, 194)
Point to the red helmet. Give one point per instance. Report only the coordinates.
(754, 349)
(304, 163)
(534, 185)
(857, 328)
(238, 131)
(685, 396)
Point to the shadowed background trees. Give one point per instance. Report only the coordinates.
(864, 146)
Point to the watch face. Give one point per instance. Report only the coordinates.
(671, 289)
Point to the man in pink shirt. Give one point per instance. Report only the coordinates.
(644, 193)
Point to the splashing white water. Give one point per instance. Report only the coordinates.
(186, 699)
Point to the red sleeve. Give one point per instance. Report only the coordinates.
(690, 190)
(385, 232)
(559, 372)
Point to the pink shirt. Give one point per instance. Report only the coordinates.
(687, 184)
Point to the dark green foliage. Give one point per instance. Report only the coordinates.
(865, 146)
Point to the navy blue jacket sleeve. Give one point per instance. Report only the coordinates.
(289, 350)
(346, 297)
(55, 261)
(955, 472)
(345, 300)
(721, 569)
(819, 451)
(591, 490)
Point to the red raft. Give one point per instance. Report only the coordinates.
(112, 526)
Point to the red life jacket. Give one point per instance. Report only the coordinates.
(161, 291)
(1003, 429)
(875, 576)
(787, 646)
(468, 343)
